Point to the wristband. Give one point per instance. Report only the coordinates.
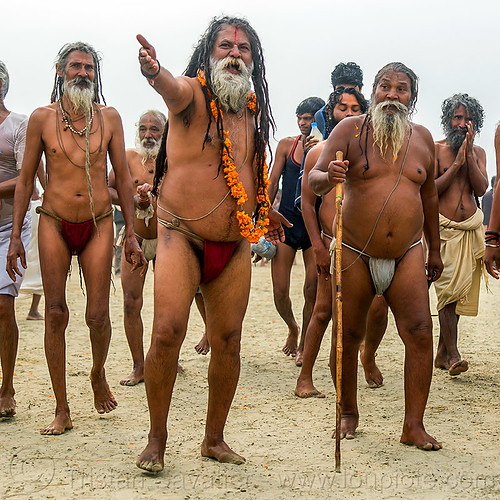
(492, 233)
(149, 76)
(491, 246)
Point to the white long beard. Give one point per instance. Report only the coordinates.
(147, 153)
(80, 98)
(389, 129)
(231, 89)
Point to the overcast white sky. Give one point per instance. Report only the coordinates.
(451, 45)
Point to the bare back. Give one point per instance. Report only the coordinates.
(193, 185)
(373, 182)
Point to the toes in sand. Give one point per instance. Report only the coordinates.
(7, 406)
(222, 453)
(59, 425)
(202, 347)
(307, 390)
(290, 347)
(299, 357)
(136, 377)
(419, 438)
(152, 458)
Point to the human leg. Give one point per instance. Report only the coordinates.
(95, 261)
(357, 296)
(175, 286)
(321, 316)
(376, 324)
(9, 336)
(203, 347)
(226, 300)
(34, 313)
(447, 356)
(133, 286)
(410, 306)
(310, 283)
(55, 260)
(281, 267)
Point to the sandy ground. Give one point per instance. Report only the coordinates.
(286, 440)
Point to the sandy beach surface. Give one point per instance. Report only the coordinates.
(286, 441)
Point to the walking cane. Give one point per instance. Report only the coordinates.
(338, 309)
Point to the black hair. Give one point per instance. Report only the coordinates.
(309, 105)
(336, 97)
(347, 73)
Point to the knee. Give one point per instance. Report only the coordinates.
(228, 343)
(57, 313)
(132, 304)
(280, 292)
(167, 337)
(97, 320)
(324, 314)
(6, 307)
(353, 336)
(378, 312)
(419, 333)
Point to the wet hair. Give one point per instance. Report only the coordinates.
(200, 60)
(4, 78)
(347, 73)
(62, 60)
(334, 99)
(157, 114)
(399, 67)
(470, 104)
(309, 105)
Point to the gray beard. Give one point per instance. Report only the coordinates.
(389, 130)
(81, 99)
(231, 90)
(144, 151)
(455, 139)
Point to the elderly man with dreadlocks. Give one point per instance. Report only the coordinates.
(141, 163)
(460, 179)
(390, 197)
(75, 133)
(212, 202)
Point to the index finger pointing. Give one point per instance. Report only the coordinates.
(143, 41)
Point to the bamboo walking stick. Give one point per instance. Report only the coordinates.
(338, 309)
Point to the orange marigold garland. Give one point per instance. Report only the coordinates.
(248, 229)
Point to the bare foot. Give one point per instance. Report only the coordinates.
(153, 456)
(373, 375)
(441, 362)
(458, 367)
(417, 436)
(202, 347)
(299, 357)
(59, 425)
(136, 377)
(7, 406)
(306, 389)
(290, 347)
(34, 316)
(221, 452)
(348, 426)
(104, 401)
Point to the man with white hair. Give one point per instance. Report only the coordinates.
(12, 142)
(390, 197)
(76, 134)
(141, 164)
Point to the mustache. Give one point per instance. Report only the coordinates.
(79, 80)
(400, 108)
(234, 62)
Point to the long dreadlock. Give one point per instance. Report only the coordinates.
(58, 91)
(200, 60)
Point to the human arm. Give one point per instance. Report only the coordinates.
(492, 253)
(443, 181)
(275, 233)
(176, 92)
(31, 155)
(280, 156)
(476, 164)
(497, 153)
(430, 206)
(327, 173)
(308, 204)
(123, 185)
